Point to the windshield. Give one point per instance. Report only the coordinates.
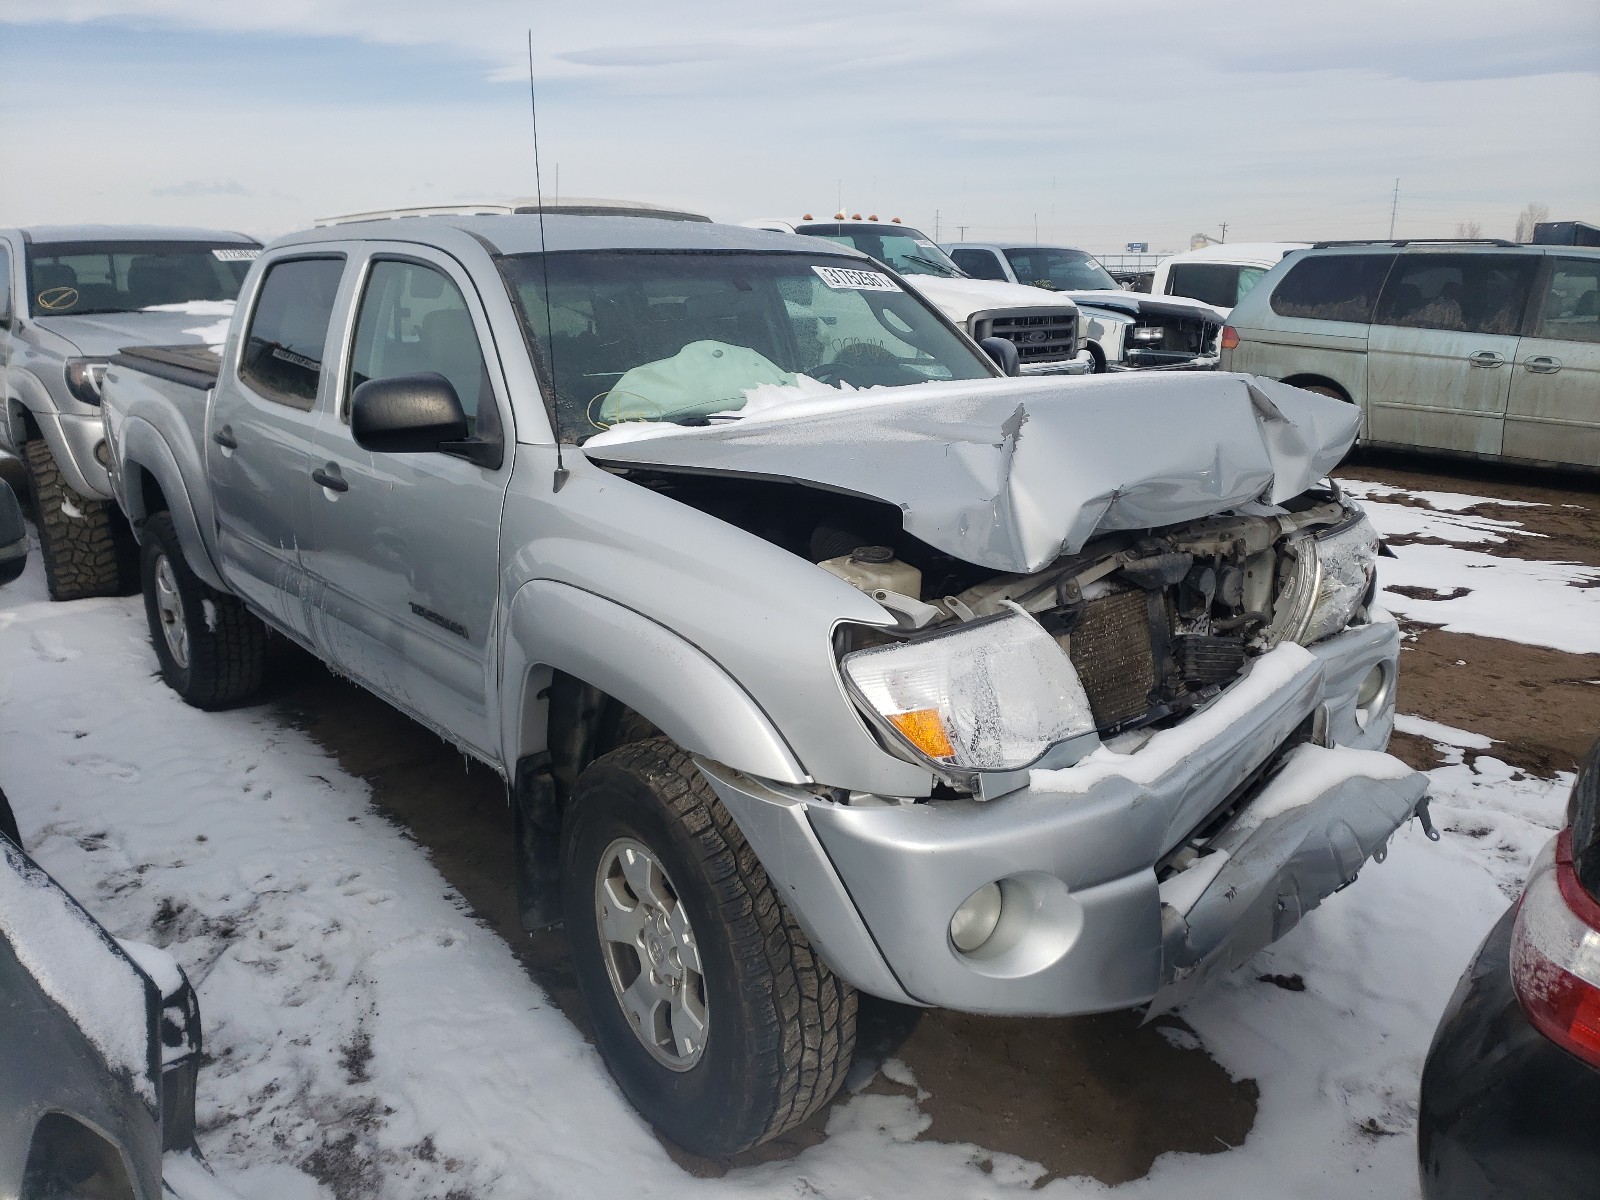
(73, 278)
(907, 250)
(1059, 270)
(681, 337)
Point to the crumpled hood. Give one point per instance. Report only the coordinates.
(960, 298)
(102, 334)
(1135, 303)
(1010, 474)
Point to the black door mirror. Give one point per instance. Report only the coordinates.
(13, 535)
(1004, 354)
(407, 414)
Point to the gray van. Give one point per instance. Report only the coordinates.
(1487, 350)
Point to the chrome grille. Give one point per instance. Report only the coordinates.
(1039, 334)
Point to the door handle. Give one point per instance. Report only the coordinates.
(333, 482)
(1485, 358)
(224, 438)
(1542, 364)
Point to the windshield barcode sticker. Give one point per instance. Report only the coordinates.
(843, 278)
(242, 254)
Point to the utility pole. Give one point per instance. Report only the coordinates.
(1035, 229)
(1394, 208)
(936, 224)
(1224, 236)
(963, 234)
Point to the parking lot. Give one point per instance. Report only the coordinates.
(1299, 1071)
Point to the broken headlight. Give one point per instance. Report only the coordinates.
(1326, 583)
(990, 695)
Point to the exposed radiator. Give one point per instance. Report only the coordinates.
(1111, 648)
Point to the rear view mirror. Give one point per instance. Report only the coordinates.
(407, 414)
(1004, 354)
(13, 535)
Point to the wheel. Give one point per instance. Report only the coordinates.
(1324, 389)
(1098, 356)
(212, 650)
(78, 537)
(710, 1009)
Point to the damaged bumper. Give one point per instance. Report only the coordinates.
(1283, 774)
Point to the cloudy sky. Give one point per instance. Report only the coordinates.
(1096, 123)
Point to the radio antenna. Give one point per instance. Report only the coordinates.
(544, 266)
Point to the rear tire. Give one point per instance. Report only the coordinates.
(773, 1029)
(212, 650)
(78, 537)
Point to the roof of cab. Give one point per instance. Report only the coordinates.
(48, 234)
(519, 234)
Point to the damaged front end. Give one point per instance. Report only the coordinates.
(1155, 743)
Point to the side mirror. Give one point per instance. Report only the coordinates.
(1004, 354)
(6, 320)
(407, 414)
(13, 535)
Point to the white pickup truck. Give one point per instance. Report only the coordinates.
(817, 655)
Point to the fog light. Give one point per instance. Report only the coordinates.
(1372, 694)
(102, 454)
(975, 921)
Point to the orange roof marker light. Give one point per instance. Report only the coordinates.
(807, 217)
(894, 220)
(873, 217)
(838, 216)
(855, 216)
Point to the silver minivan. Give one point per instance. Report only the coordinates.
(1485, 350)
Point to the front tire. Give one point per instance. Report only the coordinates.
(80, 540)
(717, 1020)
(212, 650)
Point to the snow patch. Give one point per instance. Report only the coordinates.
(1444, 735)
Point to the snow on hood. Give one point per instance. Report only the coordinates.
(960, 298)
(202, 321)
(1011, 474)
(1136, 302)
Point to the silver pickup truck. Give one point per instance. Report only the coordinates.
(71, 296)
(817, 655)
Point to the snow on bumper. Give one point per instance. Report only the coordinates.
(1085, 924)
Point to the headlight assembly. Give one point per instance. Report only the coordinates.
(1326, 583)
(990, 695)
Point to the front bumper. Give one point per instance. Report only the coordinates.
(1081, 363)
(1087, 926)
(72, 440)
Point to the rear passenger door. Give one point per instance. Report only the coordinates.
(1554, 411)
(258, 433)
(1442, 348)
(404, 549)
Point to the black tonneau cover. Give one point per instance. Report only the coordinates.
(193, 366)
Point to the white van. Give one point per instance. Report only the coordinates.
(1220, 275)
(1484, 350)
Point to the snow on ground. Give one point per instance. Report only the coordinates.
(1468, 590)
(363, 1029)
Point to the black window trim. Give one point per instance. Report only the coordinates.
(340, 256)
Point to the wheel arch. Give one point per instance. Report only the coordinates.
(1309, 379)
(152, 481)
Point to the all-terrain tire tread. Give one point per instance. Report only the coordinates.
(81, 554)
(228, 660)
(811, 1028)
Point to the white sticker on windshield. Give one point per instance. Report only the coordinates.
(924, 243)
(241, 254)
(845, 279)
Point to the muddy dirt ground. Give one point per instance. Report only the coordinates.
(1101, 1096)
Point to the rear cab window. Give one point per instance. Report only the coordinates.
(980, 264)
(1332, 287)
(76, 278)
(283, 349)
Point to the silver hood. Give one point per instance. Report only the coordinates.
(1011, 474)
(101, 334)
(1135, 303)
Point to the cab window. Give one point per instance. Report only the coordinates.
(980, 264)
(1570, 307)
(5, 279)
(413, 318)
(282, 358)
(1458, 293)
